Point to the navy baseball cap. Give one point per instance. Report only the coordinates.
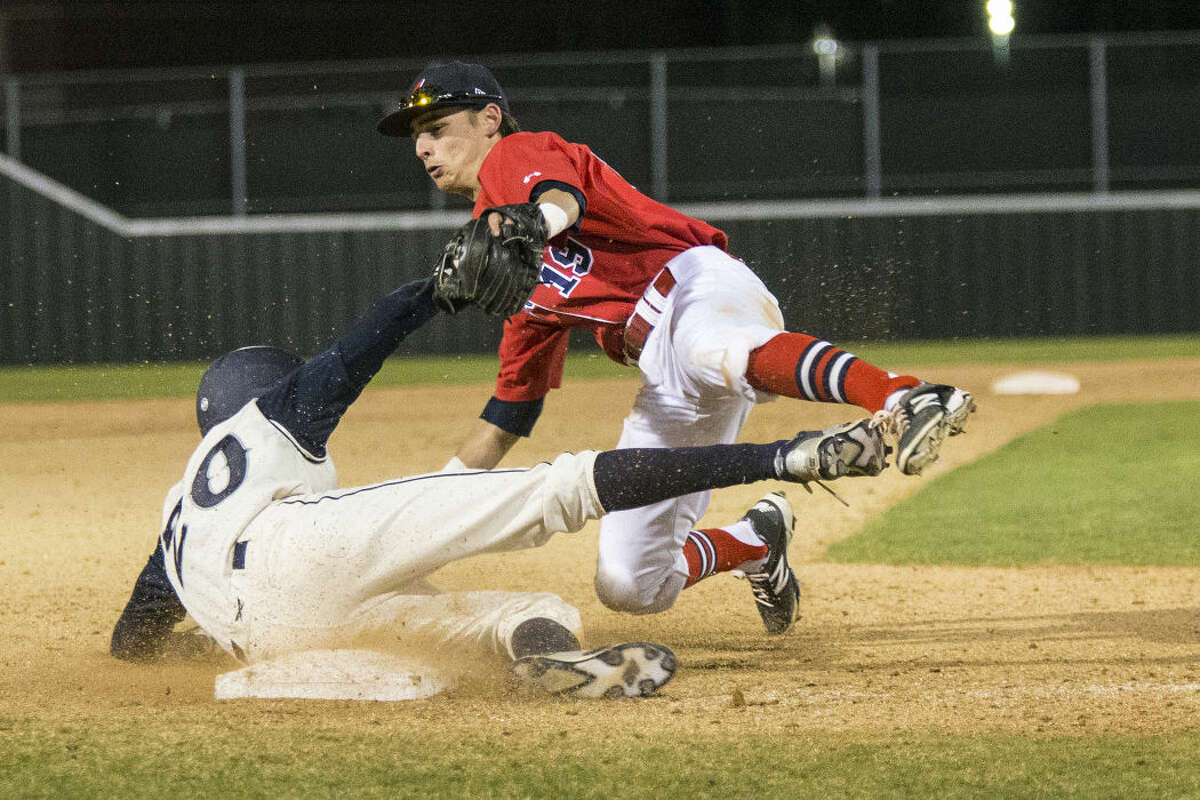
(444, 84)
(236, 378)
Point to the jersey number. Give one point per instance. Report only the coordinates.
(220, 474)
(566, 266)
(173, 537)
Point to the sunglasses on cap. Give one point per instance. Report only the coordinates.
(430, 96)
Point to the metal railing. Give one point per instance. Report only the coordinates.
(1060, 113)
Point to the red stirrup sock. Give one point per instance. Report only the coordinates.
(802, 366)
(717, 550)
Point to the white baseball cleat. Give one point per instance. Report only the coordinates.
(850, 449)
(921, 420)
(634, 669)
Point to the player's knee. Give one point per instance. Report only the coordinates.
(721, 363)
(638, 592)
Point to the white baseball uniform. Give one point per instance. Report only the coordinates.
(268, 556)
(266, 553)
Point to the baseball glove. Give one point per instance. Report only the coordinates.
(497, 274)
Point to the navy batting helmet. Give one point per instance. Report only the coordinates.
(238, 377)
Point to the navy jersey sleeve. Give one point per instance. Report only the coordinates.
(151, 614)
(310, 402)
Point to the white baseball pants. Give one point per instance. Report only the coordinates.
(694, 392)
(326, 570)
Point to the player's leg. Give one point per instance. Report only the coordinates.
(741, 346)
(729, 334)
(919, 415)
(507, 625)
(641, 564)
(693, 393)
(694, 364)
(457, 626)
(808, 368)
(314, 562)
(646, 556)
(536, 633)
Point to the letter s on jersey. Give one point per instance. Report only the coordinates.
(566, 266)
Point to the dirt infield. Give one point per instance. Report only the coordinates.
(1061, 649)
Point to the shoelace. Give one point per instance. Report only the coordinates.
(891, 423)
(762, 584)
(761, 588)
(836, 496)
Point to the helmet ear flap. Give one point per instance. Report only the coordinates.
(236, 378)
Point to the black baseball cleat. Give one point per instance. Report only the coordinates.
(850, 449)
(775, 588)
(921, 420)
(634, 669)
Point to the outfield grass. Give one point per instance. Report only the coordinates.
(159, 761)
(1109, 484)
(128, 381)
(109, 381)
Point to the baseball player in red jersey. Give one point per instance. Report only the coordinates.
(659, 291)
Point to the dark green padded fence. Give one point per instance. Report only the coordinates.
(80, 286)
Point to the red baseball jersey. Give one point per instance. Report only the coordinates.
(592, 273)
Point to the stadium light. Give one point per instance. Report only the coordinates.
(1000, 17)
(825, 46)
(1001, 23)
(1002, 26)
(828, 52)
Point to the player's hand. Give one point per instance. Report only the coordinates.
(493, 262)
(189, 645)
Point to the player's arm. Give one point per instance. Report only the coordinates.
(558, 208)
(144, 629)
(498, 428)
(485, 446)
(532, 355)
(564, 200)
(313, 399)
(558, 194)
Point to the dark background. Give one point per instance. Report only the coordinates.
(50, 35)
(955, 119)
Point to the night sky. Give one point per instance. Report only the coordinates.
(42, 35)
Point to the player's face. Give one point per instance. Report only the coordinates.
(452, 147)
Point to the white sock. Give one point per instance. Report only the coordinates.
(743, 531)
(894, 398)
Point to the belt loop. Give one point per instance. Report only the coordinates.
(239, 555)
(646, 315)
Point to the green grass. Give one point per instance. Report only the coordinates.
(41, 384)
(49, 760)
(1106, 484)
(110, 381)
(1030, 351)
